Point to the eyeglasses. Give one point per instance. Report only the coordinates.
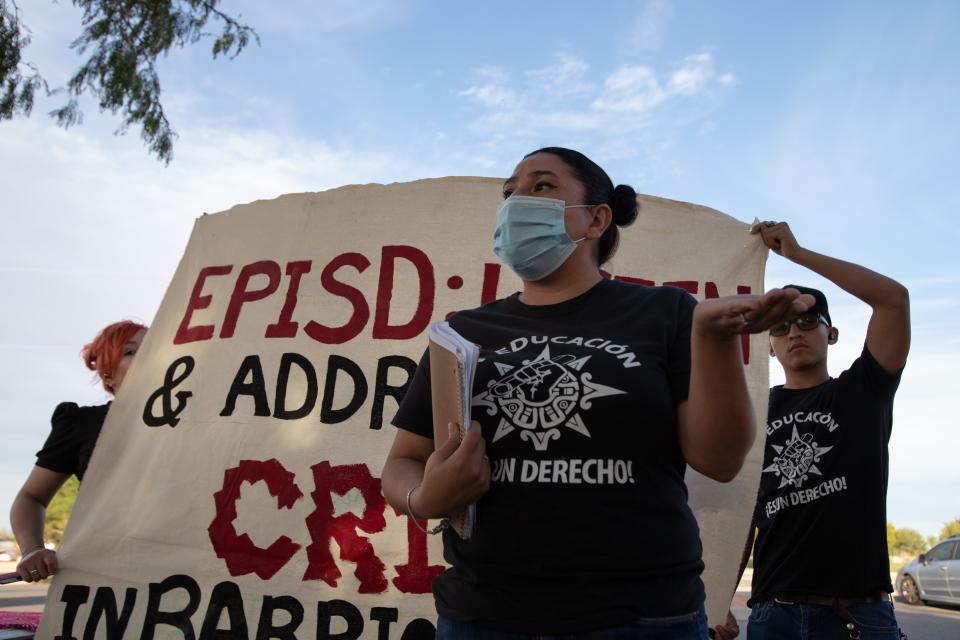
(805, 322)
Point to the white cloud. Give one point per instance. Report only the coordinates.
(491, 91)
(565, 77)
(490, 95)
(637, 89)
(691, 78)
(559, 99)
(495, 75)
(631, 89)
(649, 29)
(727, 80)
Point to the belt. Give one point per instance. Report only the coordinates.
(878, 596)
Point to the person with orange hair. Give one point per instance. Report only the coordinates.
(69, 446)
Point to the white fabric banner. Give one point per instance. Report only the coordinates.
(234, 491)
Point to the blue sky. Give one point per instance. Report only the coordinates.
(837, 117)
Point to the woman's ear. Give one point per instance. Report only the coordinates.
(602, 218)
(833, 335)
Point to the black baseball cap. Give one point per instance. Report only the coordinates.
(820, 304)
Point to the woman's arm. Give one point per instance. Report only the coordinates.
(27, 518)
(442, 480)
(716, 424)
(403, 468)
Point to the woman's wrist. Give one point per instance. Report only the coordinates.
(32, 551)
(705, 320)
(712, 333)
(415, 506)
(411, 509)
(416, 517)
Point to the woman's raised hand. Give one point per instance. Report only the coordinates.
(730, 316)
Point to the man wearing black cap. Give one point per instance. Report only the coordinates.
(821, 567)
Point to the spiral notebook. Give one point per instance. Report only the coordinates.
(453, 361)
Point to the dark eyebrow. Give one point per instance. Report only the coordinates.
(535, 174)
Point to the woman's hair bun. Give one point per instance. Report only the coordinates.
(625, 206)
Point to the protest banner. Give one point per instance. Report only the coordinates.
(234, 491)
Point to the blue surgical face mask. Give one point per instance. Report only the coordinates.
(531, 237)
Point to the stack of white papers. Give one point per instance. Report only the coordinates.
(467, 354)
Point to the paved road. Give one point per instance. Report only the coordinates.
(919, 623)
(930, 622)
(23, 597)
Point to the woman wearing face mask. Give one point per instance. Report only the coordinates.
(591, 397)
(69, 446)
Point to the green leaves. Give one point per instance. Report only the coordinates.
(951, 528)
(124, 38)
(58, 511)
(18, 80)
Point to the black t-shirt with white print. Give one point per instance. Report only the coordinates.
(821, 508)
(586, 523)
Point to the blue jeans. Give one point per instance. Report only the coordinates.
(773, 621)
(690, 626)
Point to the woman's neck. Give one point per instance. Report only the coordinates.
(569, 281)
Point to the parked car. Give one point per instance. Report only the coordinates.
(934, 576)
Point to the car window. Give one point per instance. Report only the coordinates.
(943, 551)
(956, 552)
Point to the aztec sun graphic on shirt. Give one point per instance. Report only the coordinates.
(797, 459)
(541, 396)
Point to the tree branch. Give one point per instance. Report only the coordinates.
(124, 39)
